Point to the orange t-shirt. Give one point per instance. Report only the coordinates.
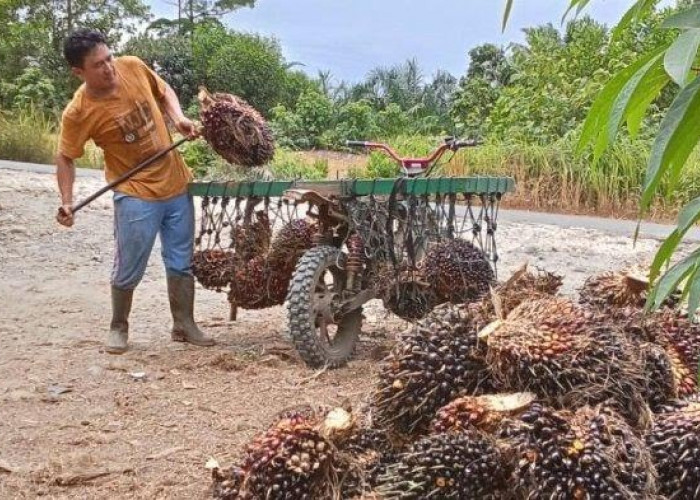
(129, 127)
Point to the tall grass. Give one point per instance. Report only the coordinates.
(554, 177)
(27, 135)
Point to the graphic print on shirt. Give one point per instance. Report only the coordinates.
(138, 126)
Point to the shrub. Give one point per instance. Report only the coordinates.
(27, 135)
(201, 158)
(288, 165)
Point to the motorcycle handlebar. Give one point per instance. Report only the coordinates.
(468, 143)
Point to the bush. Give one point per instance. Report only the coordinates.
(288, 165)
(380, 166)
(246, 65)
(27, 135)
(303, 127)
(201, 158)
(355, 121)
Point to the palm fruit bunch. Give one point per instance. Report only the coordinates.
(464, 465)
(253, 238)
(521, 286)
(619, 297)
(214, 268)
(235, 130)
(362, 458)
(263, 280)
(288, 461)
(482, 413)
(670, 327)
(258, 285)
(591, 453)
(685, 379)
(457, 271)
(662, 382)
(674, 441)
(557, 350)
(614, 290)
(292, 459)
(427, 368)
(290, 243)
(408, 297)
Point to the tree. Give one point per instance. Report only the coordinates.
(171, 56)
(488, 73)
(192, 12)
(250, 66)
(34, 30)
(625, 99)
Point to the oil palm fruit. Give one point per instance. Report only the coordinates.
(235, 130)
(457, 271)
(464, 465)
(591, 453)
(674, 441)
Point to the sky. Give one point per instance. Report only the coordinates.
(350, 37)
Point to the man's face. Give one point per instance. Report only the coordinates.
(98, 69)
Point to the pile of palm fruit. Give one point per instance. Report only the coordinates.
(518, 394)
(257, 266)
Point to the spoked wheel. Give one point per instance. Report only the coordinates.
(316, 287)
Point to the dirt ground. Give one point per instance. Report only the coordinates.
(76, 422)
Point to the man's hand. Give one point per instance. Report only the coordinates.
(187, 128)
(65, 216)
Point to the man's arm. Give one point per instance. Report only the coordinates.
(172, 107)
(65, 175)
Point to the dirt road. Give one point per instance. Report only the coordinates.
(78, 423)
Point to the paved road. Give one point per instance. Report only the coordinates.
(611, 226)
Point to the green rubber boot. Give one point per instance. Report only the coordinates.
(119, 327)
(181, 296)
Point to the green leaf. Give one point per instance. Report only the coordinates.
(669, 282)
(689, 215)
(677, 136)
(664, 254)
(638, 9)
(572, 5)
(680, 56)
(694, 292)
(596, 125)
(686, 19)
(506, 14)
(636, 96)
(581, 5)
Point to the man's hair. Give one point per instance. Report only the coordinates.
(79, 43)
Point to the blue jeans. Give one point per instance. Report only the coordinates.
(136, 224)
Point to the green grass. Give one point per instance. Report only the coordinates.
(32, 136)
(287, 165)
(27, 135)
(553, 177)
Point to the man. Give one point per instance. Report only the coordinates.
(120, 107)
